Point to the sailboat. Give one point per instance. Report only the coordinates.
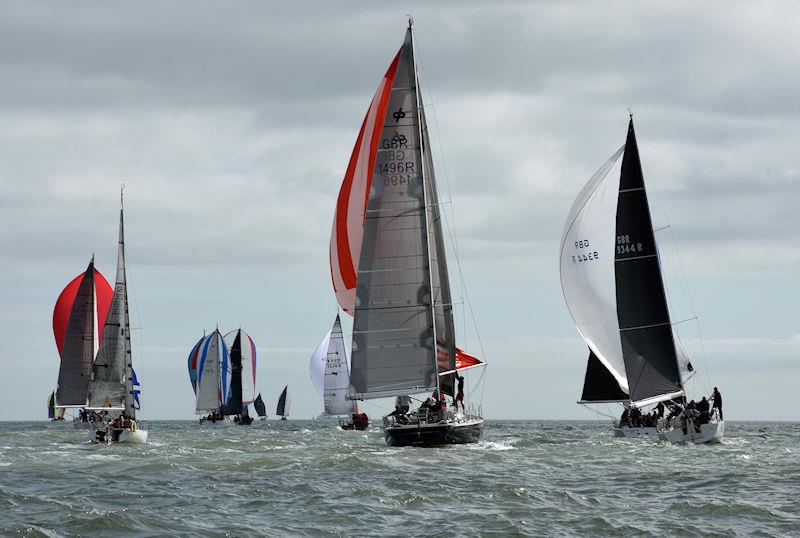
(284, 402)
(112, 386)
(331, 377)
(243, 376)
(389, 267)
(612, 283)
(260, 408)
(213, 376)
(78, 319)
(54, 412)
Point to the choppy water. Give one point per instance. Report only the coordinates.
(308, 478)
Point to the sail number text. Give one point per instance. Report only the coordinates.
(394, 165)
(584, 254)
(624, 245)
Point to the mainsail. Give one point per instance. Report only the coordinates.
(80, 344)
(233, 405)
(282, 410)
(387, 254)
(247, 350)
(213, 359)
(112, 374)
(258, 403)
(611, 278)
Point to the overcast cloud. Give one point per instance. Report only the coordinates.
(232, 124)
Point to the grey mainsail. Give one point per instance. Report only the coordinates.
(80, 344)
(393, 333)
(112, 374)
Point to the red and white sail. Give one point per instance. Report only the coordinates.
(348, 222)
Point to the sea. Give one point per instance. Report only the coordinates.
(309, 478)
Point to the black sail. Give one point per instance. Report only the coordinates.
(281, 409)
(234, 405)
(599, 384)
(261, 409)
(648, 348)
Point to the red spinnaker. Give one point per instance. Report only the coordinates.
(63, 307)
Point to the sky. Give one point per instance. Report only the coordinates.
(232, 123)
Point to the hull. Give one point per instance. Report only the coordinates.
(637, 432)
(138, 437)
(709, 433)
(436, 434)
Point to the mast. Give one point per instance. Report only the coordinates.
(130, 408)
(418, 99)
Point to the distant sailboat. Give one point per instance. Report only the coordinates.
(612, 283)
(259, 406)
(284, 401)
(330, 374)
(54, 412)
(389, 267)
(212, 377)
(111, 389)
(243, 375)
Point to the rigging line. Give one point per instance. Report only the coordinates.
(451, 230)
(683, 281)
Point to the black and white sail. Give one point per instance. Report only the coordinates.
(234, 403)
(112, 373)
(612, 283)
(81, 342)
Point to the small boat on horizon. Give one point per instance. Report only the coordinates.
(261, 409)
(613, 287)
(284, 402)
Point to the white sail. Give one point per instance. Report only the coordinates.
(587, 266)
(316, 365)
(337, 374)
(213, 354)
